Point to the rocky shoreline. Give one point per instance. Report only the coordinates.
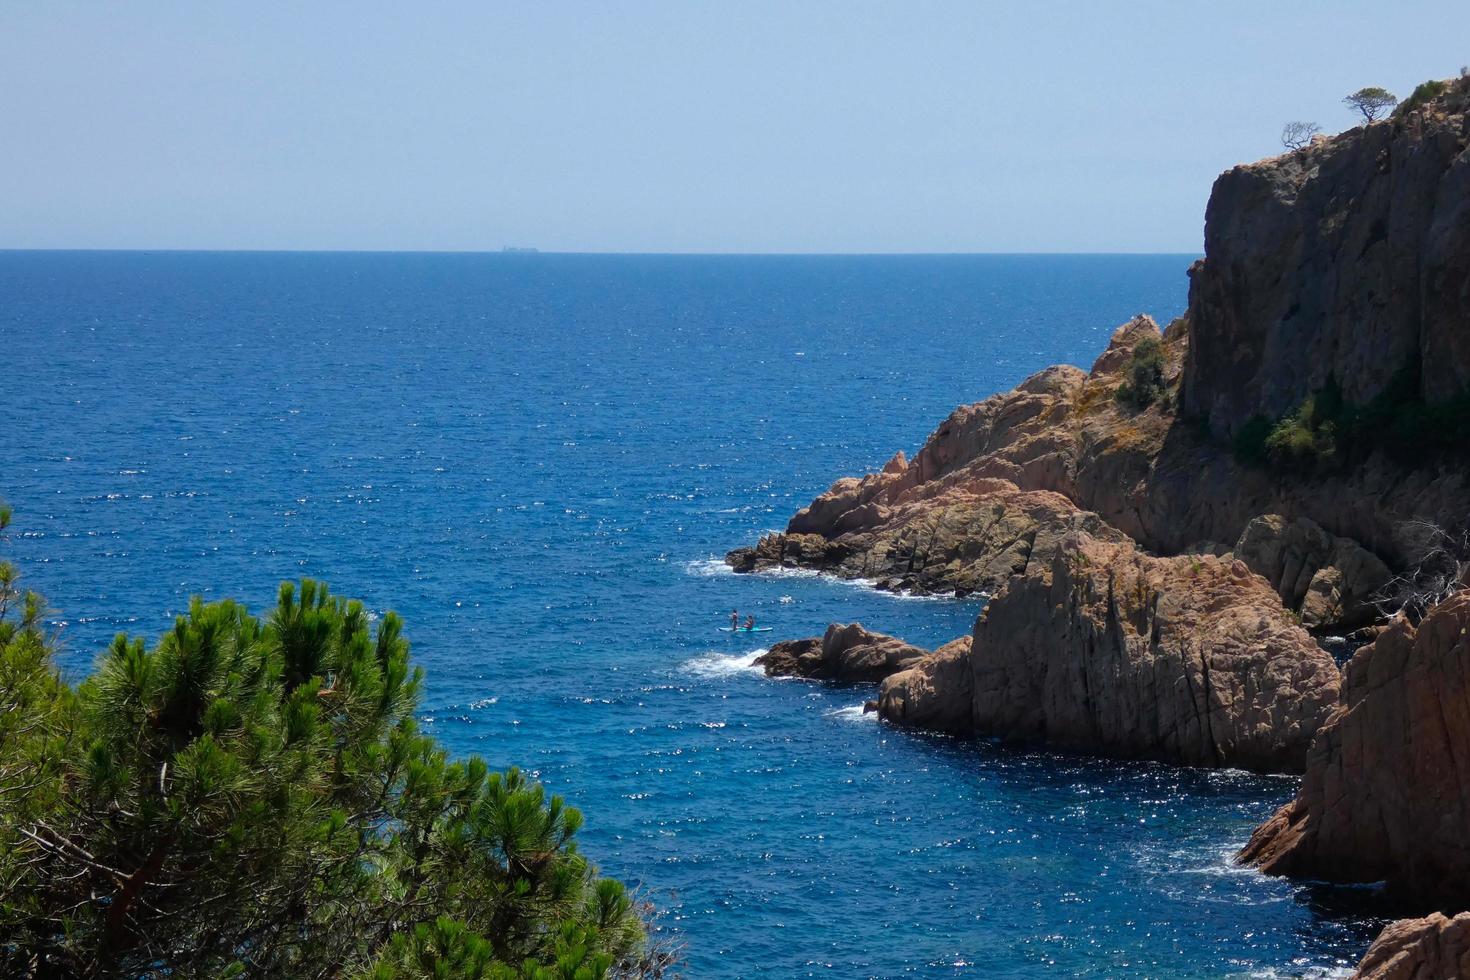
(1171, 537)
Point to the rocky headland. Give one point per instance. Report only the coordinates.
(1169, 539)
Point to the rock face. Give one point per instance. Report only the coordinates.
(1329, 580)
(1432, 948)
(847, 653)
(1189, 660)
(1012, 474)
(1387, 790)
(1349, 258)
(1150, 589)
(964, 516)
(967, 539)
(1107, 650)
(934, 694)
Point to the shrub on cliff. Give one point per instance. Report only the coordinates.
(1144, 374)
(1308, 436)
(1325, 430)
(253, 798)
(1423, 93)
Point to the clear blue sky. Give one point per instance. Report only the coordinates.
(746, 126)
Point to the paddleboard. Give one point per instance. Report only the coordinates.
(742, 629)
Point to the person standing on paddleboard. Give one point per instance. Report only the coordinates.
(734, 619)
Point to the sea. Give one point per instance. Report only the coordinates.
(539, 460)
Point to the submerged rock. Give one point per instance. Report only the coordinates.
(1433, 948)
(1387, 790)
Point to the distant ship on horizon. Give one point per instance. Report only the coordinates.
(519, 250)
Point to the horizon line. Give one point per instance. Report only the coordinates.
(531, 252)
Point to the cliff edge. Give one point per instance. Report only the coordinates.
(1165, 535)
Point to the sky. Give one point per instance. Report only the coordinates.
(688, 126)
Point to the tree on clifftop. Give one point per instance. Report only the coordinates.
(1295, 135)
(1372, 102)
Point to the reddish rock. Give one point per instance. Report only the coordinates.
(1190, 660)
(1330, 580)
(934, 694)
(849, 653)
(964, 513)
(1432, 948)
(1387, 790)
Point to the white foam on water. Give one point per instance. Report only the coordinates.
(1298, 973)
(708, 567)
(1223, 863)
(865, 584)
(852, 713)
(788, 571)
(720, 665)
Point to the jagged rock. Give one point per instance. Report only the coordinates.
(970, 537)
(1348, 259)
(785, 551)
(1330, 580)
(848, 653)
(934, 694)
(930, 524)
(1191, 660)
(792, 658)
(1433, 948)
(1387, 789)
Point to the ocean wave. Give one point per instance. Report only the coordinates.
(852, 713)
(866, 584)
(1297, 973)
(708, 567)
(723, 665)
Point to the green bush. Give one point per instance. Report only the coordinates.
(252, 797)
(1327, 431)
(1423, 93)
(1309, 436)
(1144, 375)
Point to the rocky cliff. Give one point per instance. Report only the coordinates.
(1157, 530)
(1104, 649)
(1387, 790)
(1060, 453)
(1348, 259)
(1433, 948)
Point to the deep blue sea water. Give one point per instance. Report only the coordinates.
(538, 460)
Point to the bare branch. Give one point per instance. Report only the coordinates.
(1298, 134)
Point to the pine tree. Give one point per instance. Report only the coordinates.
(254, 798)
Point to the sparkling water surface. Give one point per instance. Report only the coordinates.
(538, 460)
